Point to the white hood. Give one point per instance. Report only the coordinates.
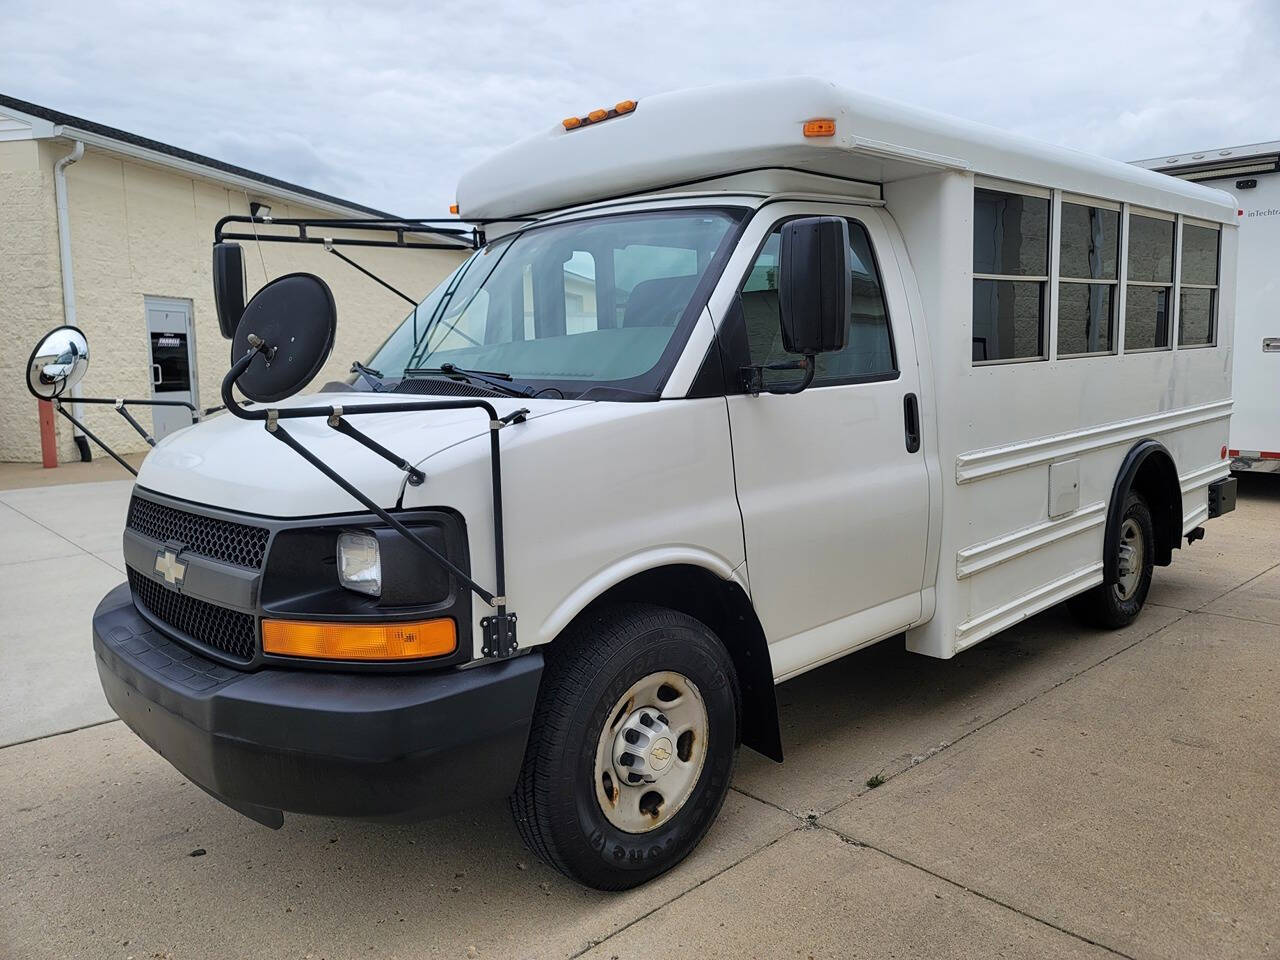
(235, 464)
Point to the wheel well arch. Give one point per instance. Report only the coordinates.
(1147, 469)
(724, 607)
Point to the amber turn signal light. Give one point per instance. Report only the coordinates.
(453, 208)
(359, 641)
(820, 128)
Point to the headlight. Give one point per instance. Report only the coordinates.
(359, 563)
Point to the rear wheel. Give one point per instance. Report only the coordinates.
(1118, 601)
(631, 748)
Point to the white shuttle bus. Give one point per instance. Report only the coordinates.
(736, 381)
(1252, 174)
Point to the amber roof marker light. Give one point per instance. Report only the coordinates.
(820, 127)
(619, 109)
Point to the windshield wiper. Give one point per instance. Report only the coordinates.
(502, 382)
(373, 376)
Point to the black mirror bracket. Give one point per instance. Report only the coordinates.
(752, 378)
(499, 630)
(119, 404)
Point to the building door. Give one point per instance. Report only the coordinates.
(171, 342)
(832, 481)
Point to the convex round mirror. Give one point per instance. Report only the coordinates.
(296, 317)
(58, 363)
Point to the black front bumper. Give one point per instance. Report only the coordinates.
(373, 746)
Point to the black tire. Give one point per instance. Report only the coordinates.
(1104, 606)
(588, 670)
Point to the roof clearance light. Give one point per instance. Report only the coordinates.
(621, 108)
(820, 127)
(453, 208)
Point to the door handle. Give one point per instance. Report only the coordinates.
(157, 377)
(911, 416)
(1271, 344)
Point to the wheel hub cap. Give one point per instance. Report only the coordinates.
(651, 751)
(1129, 559)
(643, 748)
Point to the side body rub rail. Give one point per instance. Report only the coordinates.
(993, 461)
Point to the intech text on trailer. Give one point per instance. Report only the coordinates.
(736, 381)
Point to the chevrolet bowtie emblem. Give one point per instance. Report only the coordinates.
(170, 567)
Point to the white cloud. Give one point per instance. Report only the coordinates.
(386, 103)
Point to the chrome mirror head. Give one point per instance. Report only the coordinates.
(58, 363)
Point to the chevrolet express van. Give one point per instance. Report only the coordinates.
(736, 381)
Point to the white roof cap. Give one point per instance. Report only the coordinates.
(679, 138)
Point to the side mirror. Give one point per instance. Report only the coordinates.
(228, 286)
(58, 363)
(814, 284)
(289, 326)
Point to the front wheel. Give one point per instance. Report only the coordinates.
(1118, 601)
(631, 747)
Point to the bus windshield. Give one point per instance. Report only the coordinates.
(567, 307)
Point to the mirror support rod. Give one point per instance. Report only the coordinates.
(57, 405)
(123, 411)
(416, 476)
(328, 245)
(499, 630)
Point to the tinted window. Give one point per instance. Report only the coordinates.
(1150, 288)
(868, 351)
(1007, 320)
(1090, 242)
(1010, 234)
(1199, 254)
(1195, 316)
(1090, 251)
(1086, 318)
(1150, 249)
(1010, 239)
(1146, 317)
(1199, 279)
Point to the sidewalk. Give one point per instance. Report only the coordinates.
(63, 553)
(19, 476)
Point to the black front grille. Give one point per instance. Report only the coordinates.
(237, 543)
(229, 631)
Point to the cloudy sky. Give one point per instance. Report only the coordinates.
(386, 102)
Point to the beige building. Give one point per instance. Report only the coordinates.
(138, 222)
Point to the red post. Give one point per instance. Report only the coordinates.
(48, 438)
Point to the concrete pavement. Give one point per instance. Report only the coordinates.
(62, 554)
(1053, 792)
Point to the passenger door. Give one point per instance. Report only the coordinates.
(832, 482)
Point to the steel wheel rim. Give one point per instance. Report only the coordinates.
(1130, 559)
(661, 725)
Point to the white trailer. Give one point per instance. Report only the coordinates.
(769, 373)
(1252, 174)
